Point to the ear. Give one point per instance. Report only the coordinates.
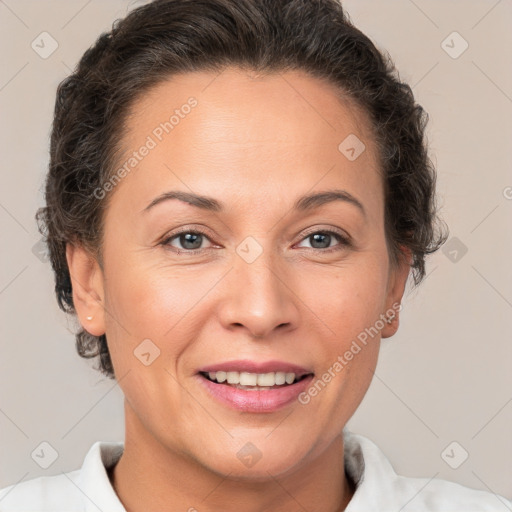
(87, 285)
(396, 285)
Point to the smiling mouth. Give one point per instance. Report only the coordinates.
(252, 381)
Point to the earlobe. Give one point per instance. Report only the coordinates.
(87, 285)
(396, 288)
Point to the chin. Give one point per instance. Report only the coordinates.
(261, 471)
(251, 461)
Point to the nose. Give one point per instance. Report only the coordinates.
(258, 298)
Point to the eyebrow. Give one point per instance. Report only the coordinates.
(304, 203)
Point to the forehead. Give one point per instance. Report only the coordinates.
(279, 131)
(273, 100)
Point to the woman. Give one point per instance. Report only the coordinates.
(238, 191)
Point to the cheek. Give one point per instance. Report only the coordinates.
(160, 303)
(154, 297)
(348, 298)
(348, 303)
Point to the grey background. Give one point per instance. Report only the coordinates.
(446, 376)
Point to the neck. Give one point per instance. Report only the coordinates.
(150, 476)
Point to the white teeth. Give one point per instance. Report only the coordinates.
(233, 377)
(280, 378)
(221, 376)
(267, 379)
(253, 379)
(248, 379)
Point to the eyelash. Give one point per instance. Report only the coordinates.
(345, 241)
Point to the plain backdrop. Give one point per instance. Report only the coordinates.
(443, 385)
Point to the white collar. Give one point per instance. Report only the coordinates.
(94, 481)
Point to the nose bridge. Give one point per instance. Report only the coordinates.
(258, 297)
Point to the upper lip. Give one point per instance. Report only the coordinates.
(255, 367)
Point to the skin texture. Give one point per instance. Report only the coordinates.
(256, 143)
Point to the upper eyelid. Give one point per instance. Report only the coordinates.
(340, 232)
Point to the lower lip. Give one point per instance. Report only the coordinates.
(267, 400)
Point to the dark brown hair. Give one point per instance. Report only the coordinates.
(164, 37)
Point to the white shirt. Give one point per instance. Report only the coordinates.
(378, 487)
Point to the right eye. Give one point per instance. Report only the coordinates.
(190, 240)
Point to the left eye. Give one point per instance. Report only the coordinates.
(323, 238)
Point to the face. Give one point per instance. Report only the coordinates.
(186, 287)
